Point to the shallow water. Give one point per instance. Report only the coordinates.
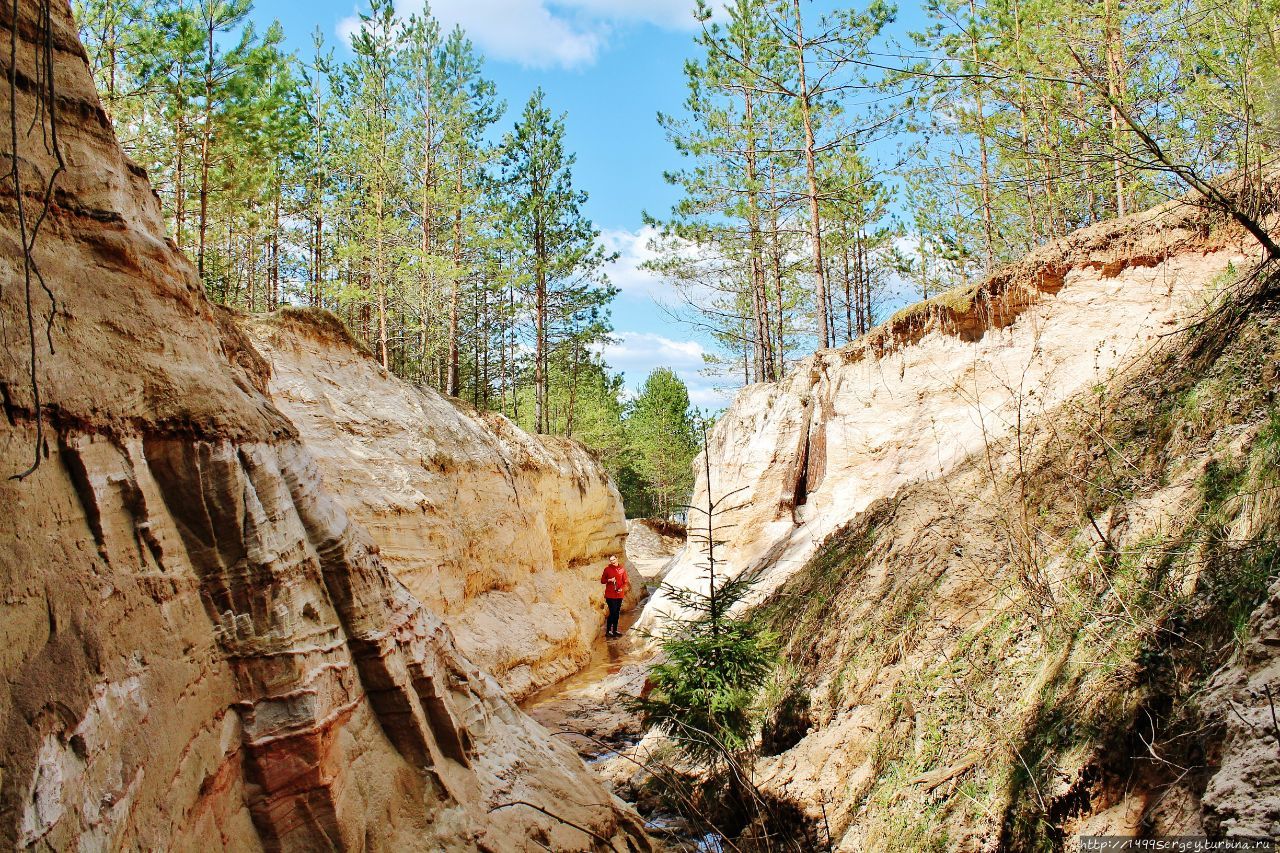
(588, 711)
(608, 657)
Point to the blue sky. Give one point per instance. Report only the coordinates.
(612, 65)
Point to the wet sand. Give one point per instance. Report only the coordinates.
(589, 709)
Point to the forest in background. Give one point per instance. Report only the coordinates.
(377, 188)
(371, 187)
(829, 161)
(834, 158)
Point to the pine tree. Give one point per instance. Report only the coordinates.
(824, 61)
(1082, 111)
(373, 119)
(660, 431)
(764, 133)
(860, 251)
(225, 80)
(160, 123)
(721, 233)
(316, 166)
(468, 108)
(714, 660)
(424, 310)
(560, 258)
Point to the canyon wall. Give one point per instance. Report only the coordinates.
(502, 533)
(1068, 634)
(1021, 547)
(200, 649)
(1071, 637)
(940, 380)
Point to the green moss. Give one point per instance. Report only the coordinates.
(1219, 483)
(958, 299)
(1266, 447)
(907, 824)
(1238, 585)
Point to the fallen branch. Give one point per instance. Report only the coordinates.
(556, 817)
(937, 778)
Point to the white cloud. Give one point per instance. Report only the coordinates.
(900, 291)
(709, 398)
(652, 350)
(633, 250)
(636, 354)
(347, 28)
(544, 33)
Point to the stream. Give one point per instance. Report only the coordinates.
(588, 709)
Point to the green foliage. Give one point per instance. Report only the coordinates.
(1239, 584)
(706, 689)
(660, 433)
(637, 499)
(1036, 118)
(739, 246)
(559, 257)
(371, 187)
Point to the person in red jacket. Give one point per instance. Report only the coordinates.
(616, 585)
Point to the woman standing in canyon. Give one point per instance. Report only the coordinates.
(616, 585)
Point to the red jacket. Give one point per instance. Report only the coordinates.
(618, 587)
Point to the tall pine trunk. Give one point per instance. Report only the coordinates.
(273, 299)
(179, 187)
(206, 133)
(1114, 40)
(540, 333)
(988, 225)
(811, 177)
(379, 285)
(848, 294)
(424, 274)
(456, 277)
(317, 257)
(759, 298)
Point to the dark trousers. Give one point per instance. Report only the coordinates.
(615, 610)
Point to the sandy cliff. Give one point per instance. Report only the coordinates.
(977, 676)
(1021, 547)
(934, 384)
(200, 650)
(651, 547)
(502, 533)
